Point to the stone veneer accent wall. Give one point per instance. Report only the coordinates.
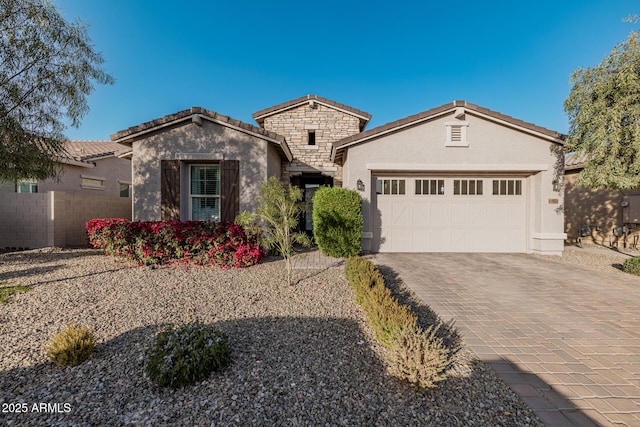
(329, 125)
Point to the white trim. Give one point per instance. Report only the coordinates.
(456, 167)
(311, 127)
(99, 178)
(190, 196)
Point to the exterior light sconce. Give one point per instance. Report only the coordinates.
(360, 185)
(556, 185)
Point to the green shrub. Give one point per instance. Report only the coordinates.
(362, 275)
(632, 266)
(419, 357)
(72, 346)
(7, 291)
(337, 221)
(187, 354)
(386, 317)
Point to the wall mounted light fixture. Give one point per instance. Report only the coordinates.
(360, 185)
(556, 185)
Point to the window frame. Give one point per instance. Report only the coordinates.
(192, 196)
(85, 182)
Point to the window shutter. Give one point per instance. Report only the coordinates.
(170, 190)
(230, 194)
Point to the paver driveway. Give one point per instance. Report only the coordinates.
(565, 338)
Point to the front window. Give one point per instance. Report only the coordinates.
(125, 189)
(27, 187)
(204, 192)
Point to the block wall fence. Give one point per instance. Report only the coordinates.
(54, 218)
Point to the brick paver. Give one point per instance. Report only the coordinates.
(565, 338)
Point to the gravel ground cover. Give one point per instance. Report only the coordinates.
(301, 355)
(596, 257)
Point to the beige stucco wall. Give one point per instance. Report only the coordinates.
(54, 218)
(492, 148)
(329, 124)
(190, 142)
(112, 170)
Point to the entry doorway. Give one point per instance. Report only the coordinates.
(309, 185)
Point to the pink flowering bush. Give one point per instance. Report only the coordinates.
(224, 244)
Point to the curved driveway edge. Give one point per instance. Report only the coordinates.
(565, 338)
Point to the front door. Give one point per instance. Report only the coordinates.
(309, 191)
(309, 184)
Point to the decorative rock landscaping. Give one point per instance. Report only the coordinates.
(300, 355)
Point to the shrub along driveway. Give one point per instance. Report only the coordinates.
(565, 338)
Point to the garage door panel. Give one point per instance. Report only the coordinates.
(439, 239)
(438, 214)
(453, 222)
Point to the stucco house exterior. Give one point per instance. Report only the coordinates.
(457, 178)
(599, 216)
(89, 167)
(95, 182)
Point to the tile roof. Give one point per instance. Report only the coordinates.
(86, 150)
(260, 115)
(415, 119)
(128, 135)
(574, 161)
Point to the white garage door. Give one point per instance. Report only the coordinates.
(451, 214)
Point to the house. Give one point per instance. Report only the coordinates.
(600, 216)
(95, 181)
(87, 167)
(457, 178)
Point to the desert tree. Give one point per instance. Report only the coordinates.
(604, 118)
(48, 67)
(279, 209)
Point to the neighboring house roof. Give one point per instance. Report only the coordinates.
(574, 161)
(87, 150)
(294, 103)
(195, 115)
(340, 146)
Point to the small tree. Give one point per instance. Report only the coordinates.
(48, 68)
(280, 209)
(604, 118)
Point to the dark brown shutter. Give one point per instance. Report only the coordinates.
(230, 189)
(170, 190)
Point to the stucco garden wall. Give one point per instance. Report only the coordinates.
(36, 220)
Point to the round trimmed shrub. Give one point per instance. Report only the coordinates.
(72, 346)
(186, 354)
(632, 266)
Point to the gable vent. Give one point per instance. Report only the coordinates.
(456, 134)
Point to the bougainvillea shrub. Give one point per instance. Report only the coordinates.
(224, 244)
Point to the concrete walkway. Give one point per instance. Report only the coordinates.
(565, 338)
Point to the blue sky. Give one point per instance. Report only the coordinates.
(390, 59)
